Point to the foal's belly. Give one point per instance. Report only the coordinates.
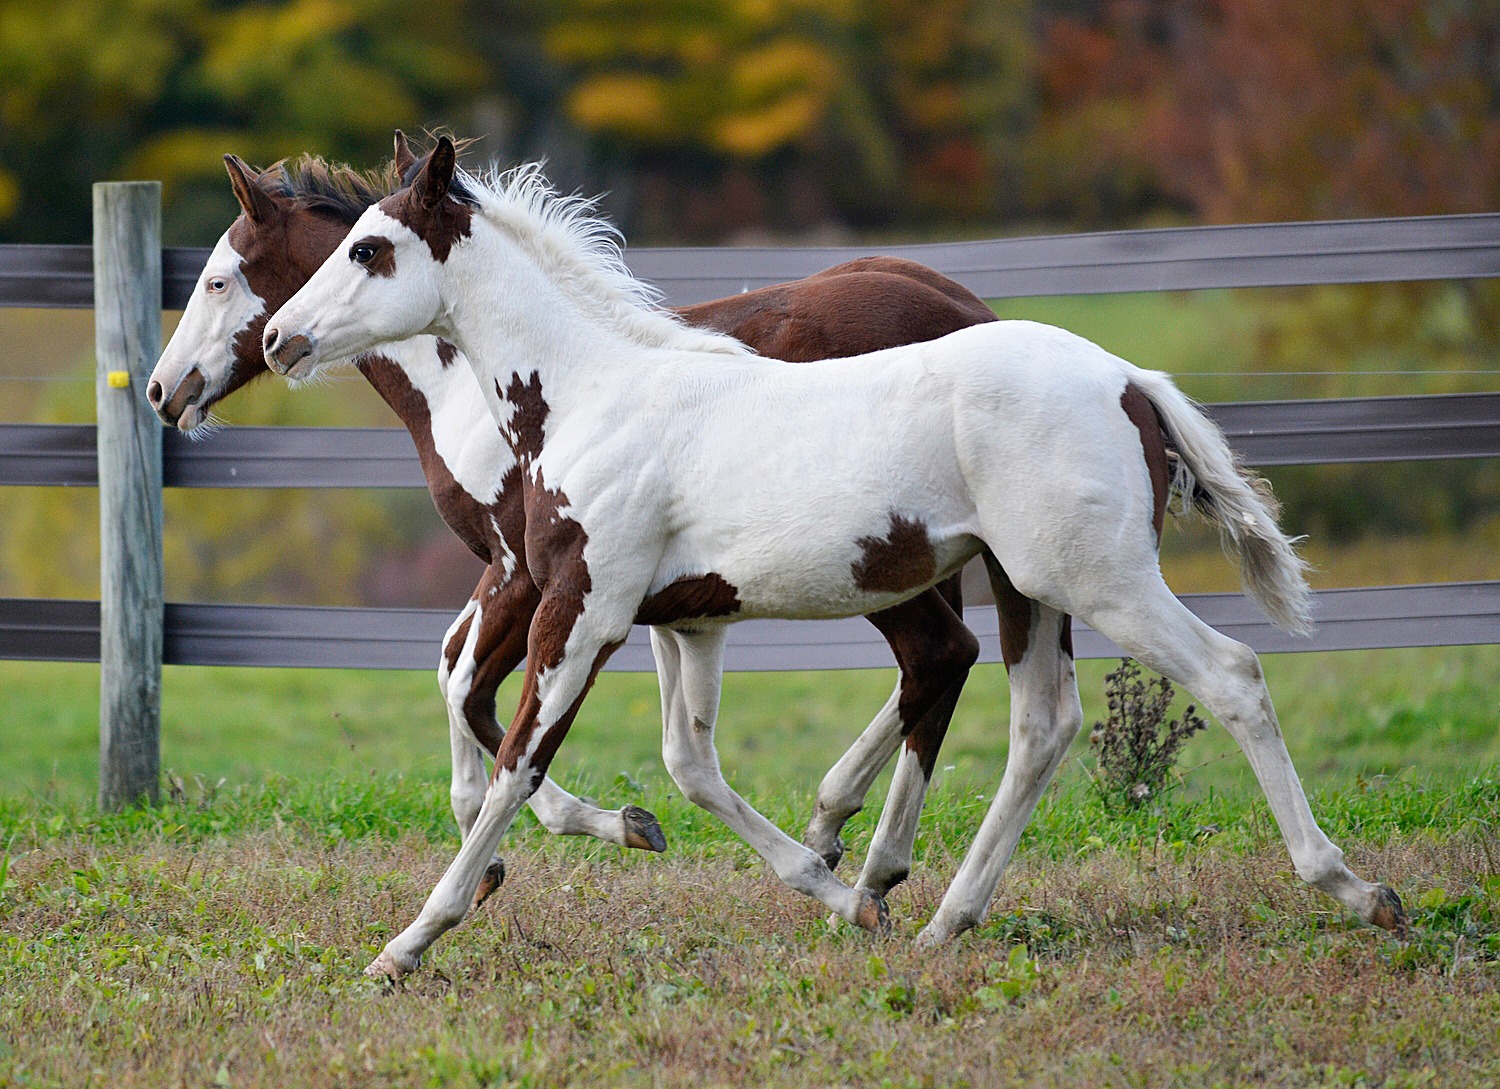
(810, 583)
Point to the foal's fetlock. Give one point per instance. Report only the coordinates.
(1386, 912)
(822, 836)
(642, 830)
(494, 877)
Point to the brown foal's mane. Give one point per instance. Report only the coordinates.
(314, 184)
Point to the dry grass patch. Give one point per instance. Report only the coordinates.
(237, 962)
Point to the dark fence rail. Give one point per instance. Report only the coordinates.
(1168, 259)
(1444, 614)
(1265, 433)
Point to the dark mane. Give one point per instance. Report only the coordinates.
(316, 185)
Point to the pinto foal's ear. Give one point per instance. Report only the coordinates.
(405, 160)
(258, 205)
(432, 183)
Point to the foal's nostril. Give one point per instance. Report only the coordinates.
(272, 336)
(153, 394)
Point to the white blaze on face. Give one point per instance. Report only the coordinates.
(222, 306)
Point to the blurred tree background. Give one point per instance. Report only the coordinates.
(715, 121)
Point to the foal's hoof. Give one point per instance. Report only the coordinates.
(1388, 913)
(643, 830)
(872, 914)
(494, 877)
(391, 968)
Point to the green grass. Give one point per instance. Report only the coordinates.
(1432, 711)
(218, 940)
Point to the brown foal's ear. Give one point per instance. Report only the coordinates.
(404, 158)
(259, 205)
(432, 183)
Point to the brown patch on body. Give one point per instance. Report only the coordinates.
(901, 560)
(692, 598)
(447, 352)
(857, 307)
(527, 429)
(442, 225)
(1143, 414)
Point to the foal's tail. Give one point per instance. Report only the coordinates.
(1236, 500)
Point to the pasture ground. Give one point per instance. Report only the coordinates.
(219, 940)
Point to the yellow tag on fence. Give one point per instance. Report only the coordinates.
(118, 379)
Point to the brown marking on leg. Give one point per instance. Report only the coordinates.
(504, 620)
(935, 652)
(518, 738)
(1142, 413)
(901, 560)
(1017, 614)
(691, 598)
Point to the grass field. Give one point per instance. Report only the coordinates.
(218, 941)
(1435, 711)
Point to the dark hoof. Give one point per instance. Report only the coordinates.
(873, 915)
(643, 830)
(1388, 913)
(494, 877)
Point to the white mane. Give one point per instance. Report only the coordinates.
(581, 251)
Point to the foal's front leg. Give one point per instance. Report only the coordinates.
(481, 649)
(690, 668)
(562, 661)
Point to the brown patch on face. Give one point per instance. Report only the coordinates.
(383, 263)
(901, 560)
(693, 598)
(441, 225)
(1143, 414)
(278, 254)
(447, 352)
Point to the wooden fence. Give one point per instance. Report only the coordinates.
(132, 632)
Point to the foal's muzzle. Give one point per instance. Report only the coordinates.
(282, 354)
(185, 396)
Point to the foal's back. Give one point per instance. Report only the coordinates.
(850, 309)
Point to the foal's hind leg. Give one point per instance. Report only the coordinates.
(1045, 716)
(934, 652)
(1226, 676)
(690, 669)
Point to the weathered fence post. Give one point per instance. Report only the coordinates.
(127, 341)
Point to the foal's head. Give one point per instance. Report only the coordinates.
(381, 284)
(292, 217)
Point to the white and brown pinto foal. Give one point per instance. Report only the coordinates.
(296, 214)
(667, 472)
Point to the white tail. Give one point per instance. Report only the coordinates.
(1238, 501)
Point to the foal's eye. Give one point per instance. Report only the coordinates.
(217, 286)
(362, 253)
